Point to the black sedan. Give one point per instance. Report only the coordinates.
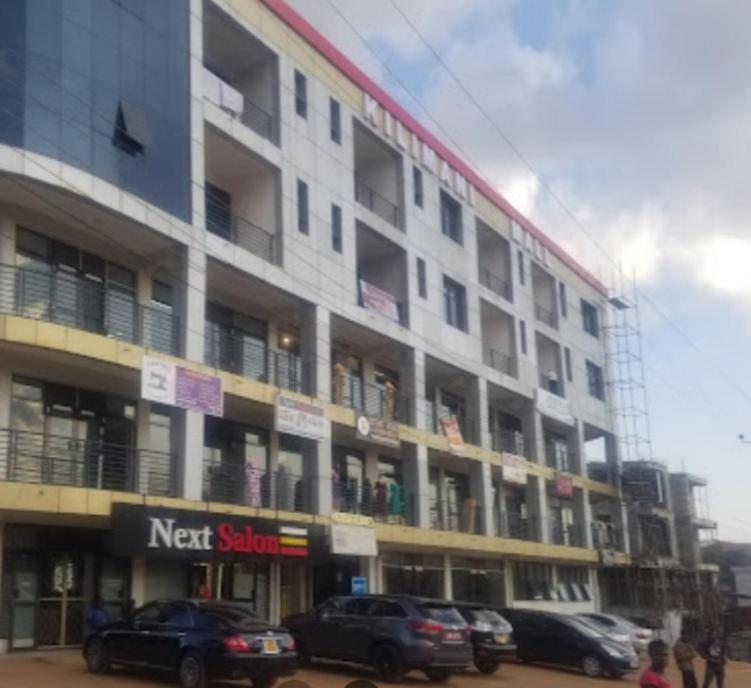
(200, 640)
(492, 636)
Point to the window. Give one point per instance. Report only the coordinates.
(417, 183)
(533, 581)
(335, 120)
(358, 606)
(523, 335)
(562, 299)
(595, 382)
(218, 211)
(178, 614)
(336, 228)
(520, 262)
(130, 129)
(301, 95)
(422, 279)
(302, 207)
(451, 218)
(455, 303)
(590, 320)
(573, 583)
(388, 608)
(567, 360)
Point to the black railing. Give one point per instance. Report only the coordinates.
(372, 200)
(517, 527)
(511, 441)
(503, 363)
(433, 422)
(545, 315)
(231, 351)
(457, 517)
(243, 484)
(69, 299)
(368, 399)
(239, 231)
(497, 284)
(571, 534)
(606, 536)
(30, 457)
(383, 501)
(560, 457)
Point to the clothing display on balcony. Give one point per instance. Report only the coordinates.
(252, 484)
(380, 499)
(395, 499)
(366, 499)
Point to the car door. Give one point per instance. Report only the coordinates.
(320, 632)
(129, 643)
(356, 629)
(559, 642)
(175, 623)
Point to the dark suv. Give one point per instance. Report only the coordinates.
(492, 635)
(570, 641)
(391, 633)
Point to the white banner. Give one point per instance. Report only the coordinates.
(378, 300)
(353, 540)
(158, 380)
(514, 469)
(553, 406)
(300, 418)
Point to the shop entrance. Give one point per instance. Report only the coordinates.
(61, 600)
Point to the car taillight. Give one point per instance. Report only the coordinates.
(291, 644)
(468, 631)
(426, 627)
(236, 643)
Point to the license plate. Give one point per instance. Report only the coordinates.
(501, 638)
(270, 646)
(452, 637)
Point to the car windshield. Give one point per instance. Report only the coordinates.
(444, 615)
(586, 628)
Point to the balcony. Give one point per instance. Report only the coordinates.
(497, 284)
(510, 441)
(514, 526)
(606, 536)
(241, 74)
(451, 516)
(375, 202)
(494, 261)
(29, 457)
(385, 503)
(570, 535)
(544, 295)
(560, 457)
(245, 485)
(503, 363)
(238, 230)
(498, 339)
(433, 416)
(369, 399)
(545, 315)
(67, 299)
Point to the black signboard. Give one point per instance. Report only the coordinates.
(162, 532)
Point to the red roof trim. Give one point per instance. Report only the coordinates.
(355, 74)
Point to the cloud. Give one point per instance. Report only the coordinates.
(723, 264)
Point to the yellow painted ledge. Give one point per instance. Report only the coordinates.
(74, 342)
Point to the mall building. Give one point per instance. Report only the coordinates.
(265, 337)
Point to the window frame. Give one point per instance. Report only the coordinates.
(562, 300)
(459, 301)
(523, 336)
(335, 120)
(301, 94)
(418, 187)
(521, 267)
(336, 228)
(303, 207)
(590, 318)
(595, 381)
(451, 218)
(568, 364)
(422, 278)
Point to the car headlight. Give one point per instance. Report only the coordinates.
(482, 627)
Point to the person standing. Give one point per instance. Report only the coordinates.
(684, 654)
(654, 676)
(714, 653)
(96, 615)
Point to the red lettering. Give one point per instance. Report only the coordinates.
(259, 544)
(248, 538)
(272, 544)
(238, 544)
(224, 536)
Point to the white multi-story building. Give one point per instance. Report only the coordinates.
(265, 337)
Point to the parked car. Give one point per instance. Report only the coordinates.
(200, 640)
(622, 630)
(492, 636)
(392, 633)
(568, 641)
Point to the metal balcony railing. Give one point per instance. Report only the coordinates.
(372, 200)
(457, 517)
(503, 363)
(561, 457)
(234, 352)
(607, 536)
(242, 484)
(30, 457)
(433, 415)
(571, 535)
(239, 231)
(68, 299)
(497, 284)
(554, 386)
(516, 527)
(383, 501)
(368, 399)
(545, 315)
(511, 441)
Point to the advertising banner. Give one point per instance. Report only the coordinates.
(301, 418)
(453, 432)
(376, 299)
(564, 485)
(514, 469)
(378, 431)
(353, 540)
(553, 406)
(167, 383)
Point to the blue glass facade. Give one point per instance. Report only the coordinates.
(103, 85)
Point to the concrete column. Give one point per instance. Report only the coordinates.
(508, 583)
(275, 583)
(481, 487)
(478, 412)
(138, 580)
(621, 520)
(318, 460)
(3, 642)
(578, 445)
(316, 351)
(583, 514)
(412, 382)
(193, 300)
(143, 411)
(448, 587)
(534, 435)
(416, 484)
(537, 506)
(191, 437)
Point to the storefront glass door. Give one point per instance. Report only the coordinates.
(24, 583)
(61, 600)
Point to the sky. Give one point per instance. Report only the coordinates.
(634, 117)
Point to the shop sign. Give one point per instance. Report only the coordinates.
(514, 469)
(453, 432)
(167, 383)
(553, 406)
(378, 431)
(378, 300)
(352, 540)
(140, 530)
(359, 585)
(564, 485)
(301, 418)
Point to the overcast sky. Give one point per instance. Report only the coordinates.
(637, 114)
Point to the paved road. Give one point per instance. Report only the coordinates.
(65, 669)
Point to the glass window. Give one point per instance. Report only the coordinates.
(533, 581)
(455, 303)
(301, 94)
(388, 608)
(520, 262)
(590, 319)
(336, 228)
(335, 116)
(451, 218)
(567, 360)
(562, 298)
(422, 281)
(150, 614)
(178, 614)
(358, 606)
(218, 211)
(303, 221)
(523, 335)
(595, 382)
(417, 183)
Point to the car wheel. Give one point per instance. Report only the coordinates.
(438, 675)
(487, 666)
(388, 665)
(303, 656)
(593, 666)
(97, 657)
(263, 681)
(192, 671)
